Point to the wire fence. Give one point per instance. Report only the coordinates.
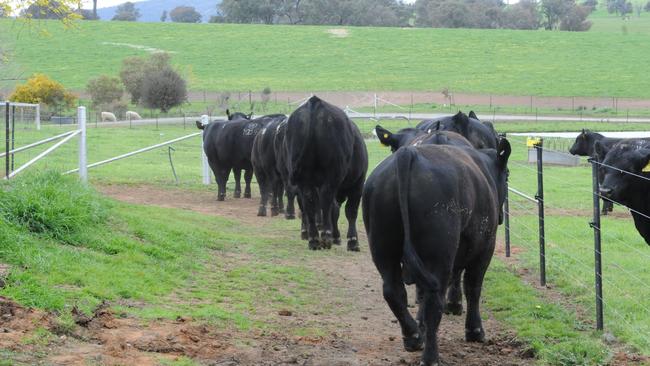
(610, 283)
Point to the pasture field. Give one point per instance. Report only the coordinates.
(558, 335)
(217, 57)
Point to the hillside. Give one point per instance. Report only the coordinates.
(311, 58)
(151, 10)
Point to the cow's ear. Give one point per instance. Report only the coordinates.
(462, 122)
(503, 152)
(643, 160)
(384, 136)
(228, 114)
(600, 150)
(473, 115)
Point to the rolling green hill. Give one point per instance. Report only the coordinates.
(310, 58)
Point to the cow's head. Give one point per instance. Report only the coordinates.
(238, 115)
(622, 167)
(584, 143)
(396, 140)
(200, 125)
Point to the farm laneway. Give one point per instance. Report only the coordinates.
(359, 331)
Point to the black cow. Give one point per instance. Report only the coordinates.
(481, 135)
(327, 163)
(228, 146)
(433, 209)
(281, 157)
(584, 143)
(263, 158)
(631, 189)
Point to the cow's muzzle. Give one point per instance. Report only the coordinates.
(606, 192)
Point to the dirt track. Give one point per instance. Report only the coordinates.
(365, 334)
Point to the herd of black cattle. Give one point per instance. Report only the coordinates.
(431, 209)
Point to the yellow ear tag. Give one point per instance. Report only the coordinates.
(646, 169)
(385, 135)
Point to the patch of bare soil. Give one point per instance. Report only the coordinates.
(355, 326)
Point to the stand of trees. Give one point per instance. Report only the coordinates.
(526, 14)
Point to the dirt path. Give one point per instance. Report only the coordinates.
(360, 330)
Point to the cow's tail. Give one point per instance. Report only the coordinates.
(410, 258)
(298, 157)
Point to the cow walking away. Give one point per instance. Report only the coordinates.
(626, 179)
(264, 160)
(228, 146)
(327, 163)
(433, 210)
(481, 134)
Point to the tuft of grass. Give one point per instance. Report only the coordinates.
(51, 204)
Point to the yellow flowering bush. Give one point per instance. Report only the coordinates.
(41, 89)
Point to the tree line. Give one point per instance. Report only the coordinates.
(527, 14)
(568, 15)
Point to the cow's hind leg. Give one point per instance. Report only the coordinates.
(248, 176)
(237, 173)
(276, 204)
(454, 304)
(473, 282)
(432, 314)
(264, 193)
(395, 295)
(222, 180)
(326, 200)
(336, 234)
(310, 207)
(351, 212)
(290, 213)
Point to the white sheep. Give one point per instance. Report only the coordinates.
(132, 116)
(108, 116)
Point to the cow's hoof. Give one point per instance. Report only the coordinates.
(275, 211)
(304, 235)
(221, 198)
(455, 309)
(326, 243)
(262, 211)
(432, 363)
(336, 241)
(353, 245)
(290, 216)
(247, 195)
(604, 213)
(413, 343)
(475, 335)
(315, 244)
(237, 194)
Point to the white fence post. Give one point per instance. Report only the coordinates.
(83, 159)
(206, 167)
(38, 117)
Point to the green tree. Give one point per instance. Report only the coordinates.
(163, 89)
(127, 12)
(134, 71)
(163, 17)
(185, 14)
(104, 90)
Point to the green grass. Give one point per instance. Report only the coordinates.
(176, 262)
(68, 264)
(307, 58)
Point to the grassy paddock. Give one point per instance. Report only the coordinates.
(568, 200)
(250, 57)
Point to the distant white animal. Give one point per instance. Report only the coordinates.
(108, 116)
(131, 116)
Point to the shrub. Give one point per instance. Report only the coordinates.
(134, 70)
(41, 89)
(104, 90)
(164, 89)
(51, 204)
